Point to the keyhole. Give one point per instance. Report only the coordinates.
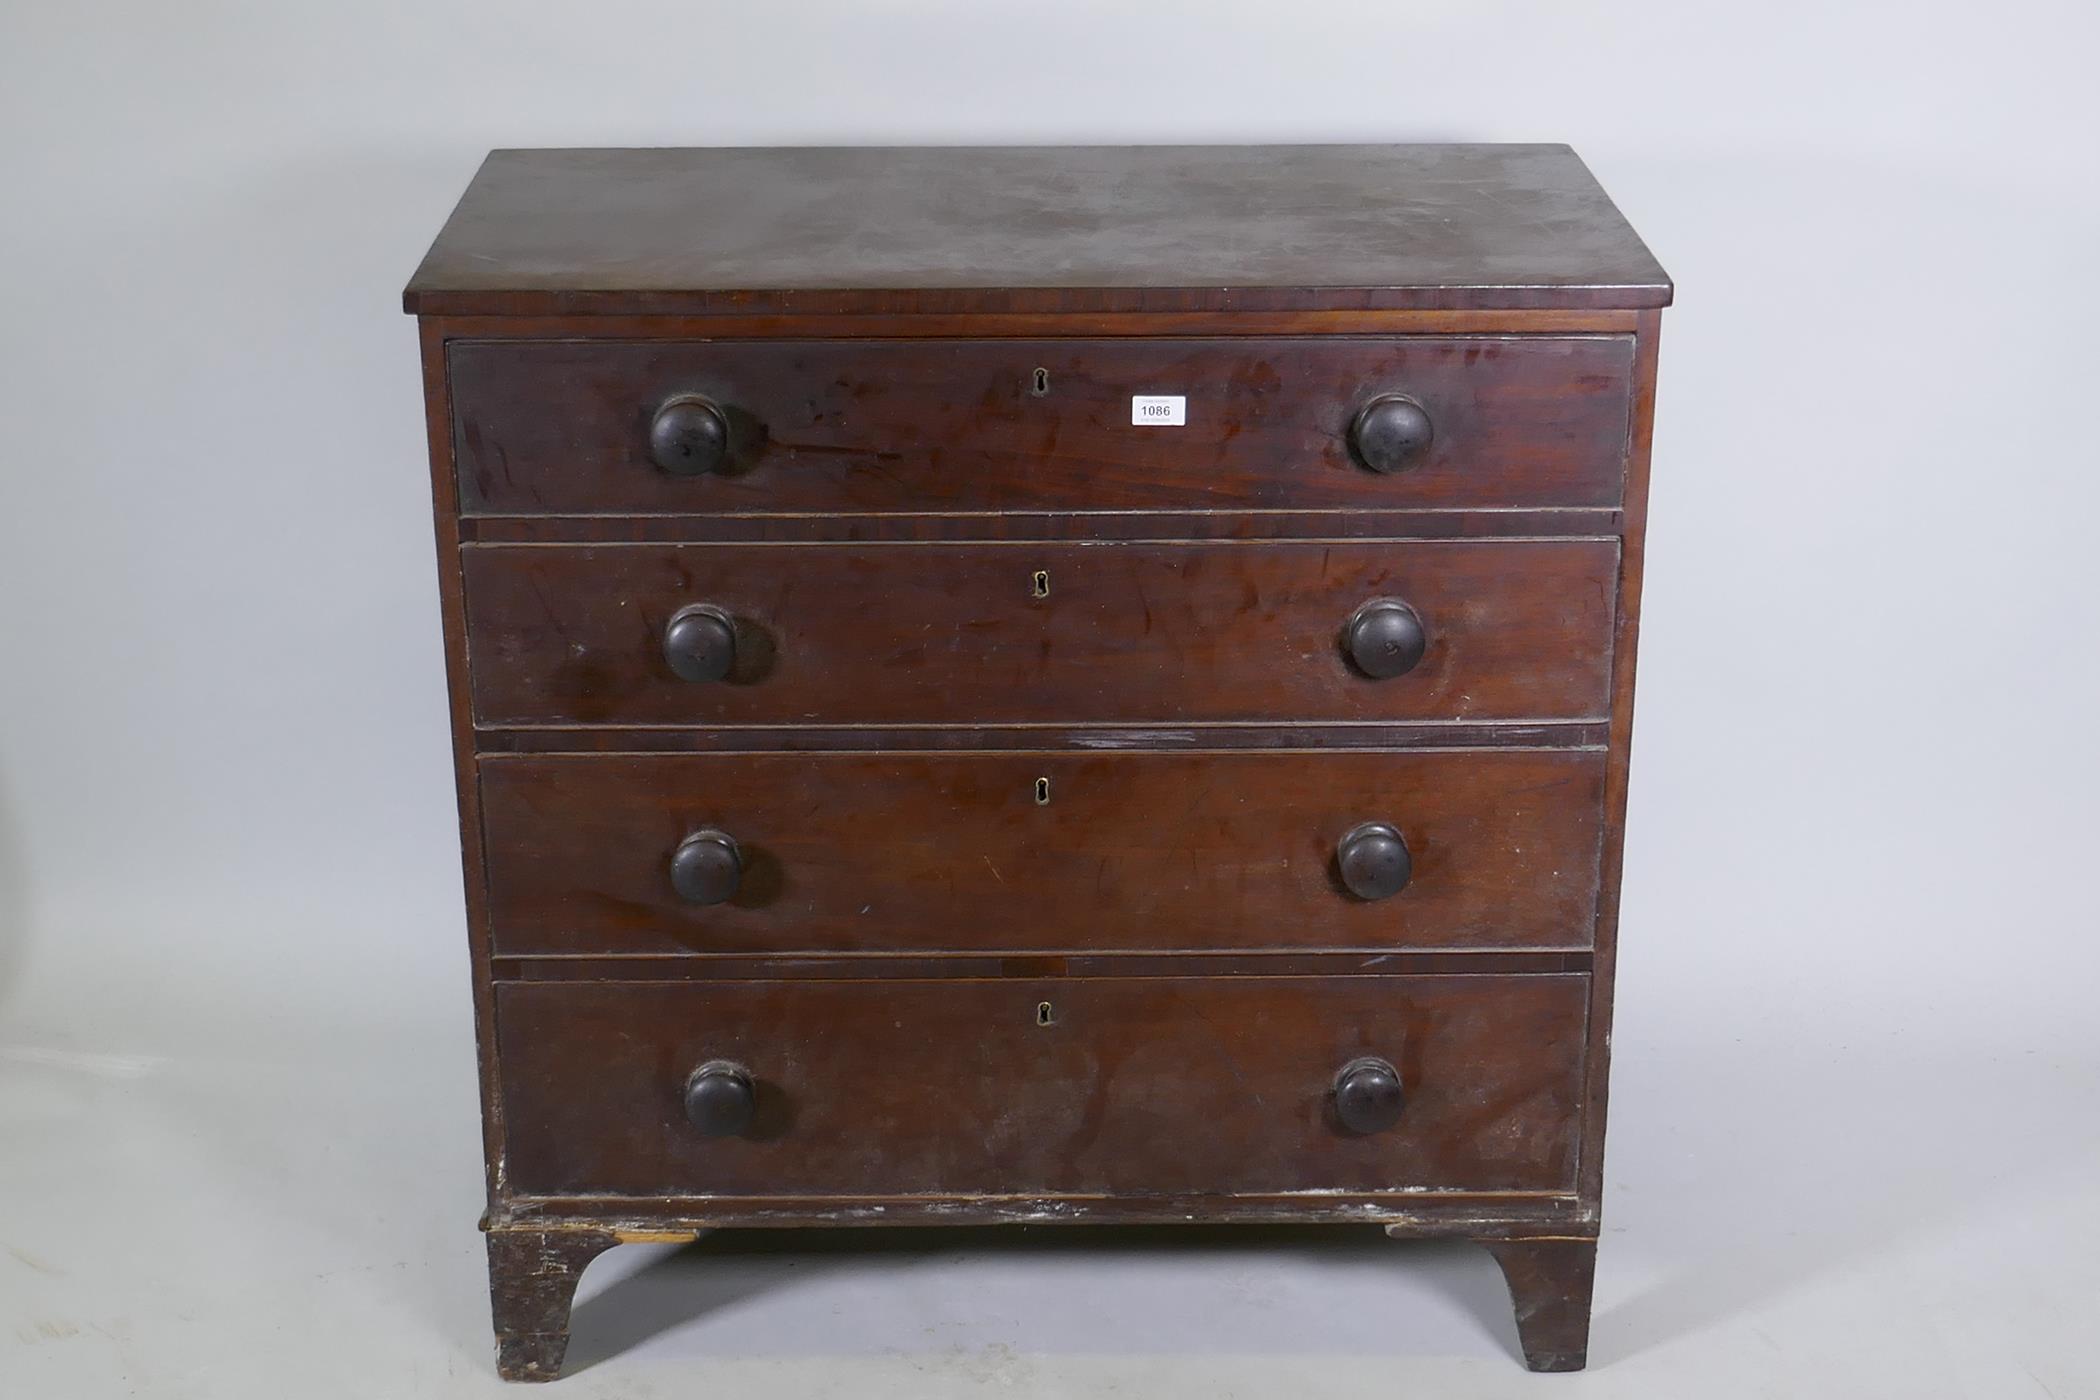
(1042, 792)
(1043, 1014)
(1040, 386)
(1042, 583)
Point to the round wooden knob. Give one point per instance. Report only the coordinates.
(700, 644)
(1385, 638)
(719, 1099)
(689, 436)
(1367, 1095)
(1374, 861)
(1391, 433)
(706, 867)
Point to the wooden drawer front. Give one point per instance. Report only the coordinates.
(563, 427)
(1129, 851)
(1137, 1085)
(933, 634)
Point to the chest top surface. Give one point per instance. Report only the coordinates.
(1034, 229)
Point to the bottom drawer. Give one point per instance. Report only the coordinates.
(1083, 1086)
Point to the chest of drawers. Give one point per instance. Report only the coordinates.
(1040, 685)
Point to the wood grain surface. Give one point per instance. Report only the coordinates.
(1116, 851)
(1019, 229)
(562, 426)
(1143, 1086)
(1159, 634)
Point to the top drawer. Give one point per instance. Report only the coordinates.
(565, 427)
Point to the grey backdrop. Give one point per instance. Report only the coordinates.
(1854, 1116)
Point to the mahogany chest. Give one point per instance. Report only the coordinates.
(1040, 685)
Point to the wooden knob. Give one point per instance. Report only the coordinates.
(1367, 1095)
(719, 1099)
(1391, 433)
(707, 867)
(1374, 861)
(689, 436)
(1385, 638)
(700, 643)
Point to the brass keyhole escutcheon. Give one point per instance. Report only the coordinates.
(1042, 792)
(1045, 1015)
(1041, 583)
(1039, 383)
